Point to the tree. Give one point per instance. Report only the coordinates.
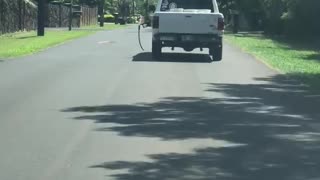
(301, 17)
(110, 6)
(41, 17)
(289, 17)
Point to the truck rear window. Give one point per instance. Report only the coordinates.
(186, 4)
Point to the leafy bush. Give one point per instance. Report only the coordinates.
(132, 19)
(289, 17)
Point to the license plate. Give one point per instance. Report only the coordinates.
(187, 38)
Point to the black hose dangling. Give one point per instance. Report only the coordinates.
(139, 36)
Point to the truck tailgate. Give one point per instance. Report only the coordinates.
(188, 23)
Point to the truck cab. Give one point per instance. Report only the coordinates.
(188, 24)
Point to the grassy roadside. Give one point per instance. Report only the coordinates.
(26, 43)
(296, 59)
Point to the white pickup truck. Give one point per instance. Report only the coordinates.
(188, 24)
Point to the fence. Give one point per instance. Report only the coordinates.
(89, 16)
(58, 16)
(17, 15)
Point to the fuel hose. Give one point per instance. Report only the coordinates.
(139, 36)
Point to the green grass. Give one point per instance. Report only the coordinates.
(296, 59)
(26, 43)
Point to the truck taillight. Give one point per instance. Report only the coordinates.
(220, 24)
(155, 22)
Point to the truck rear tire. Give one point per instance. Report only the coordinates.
(156, 49)
(216, 53)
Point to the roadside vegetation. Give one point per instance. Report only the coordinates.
(298, 59)
(26, 43)
(291, 18)
(290, 38)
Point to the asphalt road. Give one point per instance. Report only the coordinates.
(99, 108)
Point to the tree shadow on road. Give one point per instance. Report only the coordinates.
(311, 79)
(275, 119)
(173, 57)
(315, 56)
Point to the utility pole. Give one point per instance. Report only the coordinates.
(70, 15)
(147, 8)
(101, 14)
(41, 17)
(133, 4)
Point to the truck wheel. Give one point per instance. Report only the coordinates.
(216, 53)
(156, 49)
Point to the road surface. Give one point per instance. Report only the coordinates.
(100, 108)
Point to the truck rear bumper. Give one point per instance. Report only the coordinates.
(187, 40)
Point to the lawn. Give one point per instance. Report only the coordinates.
(300, 60)
(26, 43)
